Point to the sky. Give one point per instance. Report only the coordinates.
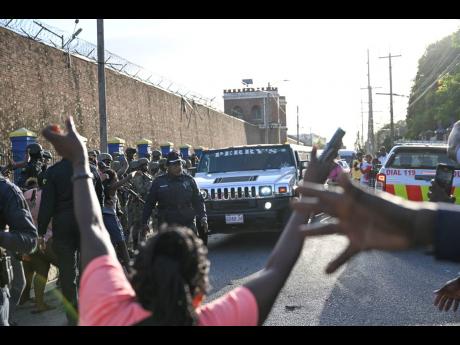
(324, 61)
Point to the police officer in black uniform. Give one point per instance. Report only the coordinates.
(57, 204)
(33, 168)
(21, 237)
(178, 197)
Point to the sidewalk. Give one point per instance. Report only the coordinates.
(55, 317)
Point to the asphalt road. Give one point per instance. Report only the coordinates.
(374, 288)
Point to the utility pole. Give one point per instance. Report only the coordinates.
(265, 120)
(370, 131)
(101, 85)
(298, 135)
(362, 124)
(392, 130)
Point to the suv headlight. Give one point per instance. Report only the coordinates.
(204, 193)
(265, 191)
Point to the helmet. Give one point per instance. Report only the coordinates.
(131, 150)
(105, 156)
(35, 150)
(47, 154)
(115, 165)
(156, 154)
(142, 161)
(162, 163)
(133, 164)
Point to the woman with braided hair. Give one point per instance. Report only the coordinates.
(170, 277)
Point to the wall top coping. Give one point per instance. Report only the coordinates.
(144, 141)
(22, 132)
(116, 140)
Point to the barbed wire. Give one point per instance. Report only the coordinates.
(67, 42)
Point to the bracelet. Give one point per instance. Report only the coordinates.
(82, 175)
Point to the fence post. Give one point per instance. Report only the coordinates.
(20, 139)
(143, 147)
(185, 151)
(116, 144)
(166, 148)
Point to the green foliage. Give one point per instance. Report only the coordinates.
(439, 76)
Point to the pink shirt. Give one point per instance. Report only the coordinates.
(335, 173)
(33, 201)
(106, 298)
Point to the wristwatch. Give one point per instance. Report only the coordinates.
(82, 175)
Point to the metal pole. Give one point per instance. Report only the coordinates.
(392, 128)
(279, 124)
(265, 119)
(298, 137)
(370, 134)
(362, 124)
(101, 86)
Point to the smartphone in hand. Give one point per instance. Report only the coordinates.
(445, 176)
(333, 146)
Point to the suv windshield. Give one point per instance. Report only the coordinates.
(419, 158)
(248, 158)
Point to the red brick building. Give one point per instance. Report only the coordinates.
(260, 106)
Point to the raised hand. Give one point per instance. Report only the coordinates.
(438, 194)
(448, 295)
(70, 145)
(317, 171)
(365, 227)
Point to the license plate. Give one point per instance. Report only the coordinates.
(234, 219)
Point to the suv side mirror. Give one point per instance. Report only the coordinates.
(303, 164)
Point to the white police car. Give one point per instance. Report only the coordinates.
(410, 167)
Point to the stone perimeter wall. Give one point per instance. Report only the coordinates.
(37, 88)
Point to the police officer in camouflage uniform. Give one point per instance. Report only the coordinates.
(140, 184)
(178, 197)
(154, 165)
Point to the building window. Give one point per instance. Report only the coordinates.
(256, 113)
(237, 112)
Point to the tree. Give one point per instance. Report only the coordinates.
(438, 76)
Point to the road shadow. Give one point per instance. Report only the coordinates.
(234, 257)
(378, 288)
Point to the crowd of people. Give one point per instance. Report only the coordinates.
(363, 170)
(84, 199)
(121, 183)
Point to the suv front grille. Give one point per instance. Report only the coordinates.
(233, 193)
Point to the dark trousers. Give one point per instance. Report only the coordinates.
(67, 260)
(18, 284)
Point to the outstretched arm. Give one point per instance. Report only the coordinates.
(370, 221)
(94, 238)
(269, 282)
